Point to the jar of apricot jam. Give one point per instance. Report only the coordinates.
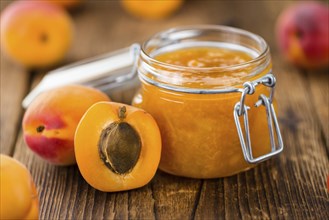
(210, 89)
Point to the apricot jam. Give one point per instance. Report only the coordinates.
(204, 57)
(191, 82)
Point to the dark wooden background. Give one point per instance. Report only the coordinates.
(291, 186)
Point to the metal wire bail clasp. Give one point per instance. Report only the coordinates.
(241, 109)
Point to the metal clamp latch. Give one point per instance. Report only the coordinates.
(241, 109)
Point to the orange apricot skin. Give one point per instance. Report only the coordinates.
(35, 34)
(50, 121)
(18, 197)
(152, 9)
(87, 135)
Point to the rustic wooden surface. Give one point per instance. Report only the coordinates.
(291, 186)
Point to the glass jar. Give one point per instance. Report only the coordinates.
(209, 125)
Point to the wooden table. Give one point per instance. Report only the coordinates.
(292, 185)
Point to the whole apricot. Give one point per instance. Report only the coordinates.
(117, 147)
(35, 34)
(152, 9)
(18, 195)
(50, 121)
(303, 34)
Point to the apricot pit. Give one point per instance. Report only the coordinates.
(120, 145)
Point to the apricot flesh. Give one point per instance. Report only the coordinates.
(95, 168)
(35, 34)
(19, 198)
(50, 121)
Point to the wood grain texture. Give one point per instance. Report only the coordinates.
(290, 186)
(317, 86)
(305, 159)
(14, 86)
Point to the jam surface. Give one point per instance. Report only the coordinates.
(204, 57)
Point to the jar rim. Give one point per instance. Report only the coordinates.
(229, 29)
(203, 80)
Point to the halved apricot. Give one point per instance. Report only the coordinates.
(117, 147)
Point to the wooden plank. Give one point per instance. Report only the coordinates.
(305, 153)
(142, 199)
(175, 197)
(14, 86)
(318, 83)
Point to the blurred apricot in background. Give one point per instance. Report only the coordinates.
(303, 34)
(35, 34)
(151, 9)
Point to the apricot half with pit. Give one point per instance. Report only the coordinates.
(117, 147)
